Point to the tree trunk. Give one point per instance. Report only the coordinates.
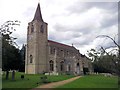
(7, 74)
(13, 75)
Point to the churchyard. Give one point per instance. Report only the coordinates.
(87, 81)
(93, 81)
(30, 81)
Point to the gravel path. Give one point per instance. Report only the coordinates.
(56, 84)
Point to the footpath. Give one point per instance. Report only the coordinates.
(56, 84)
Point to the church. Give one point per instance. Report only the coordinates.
(48, 56)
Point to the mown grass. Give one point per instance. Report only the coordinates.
(93, 81)
(30, 80)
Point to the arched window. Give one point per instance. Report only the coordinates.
(62, 53)
(54, 50)
(62, 66)
(67, 53)
(31, 58)
(51, 65)
(78, 64)
(32, 29)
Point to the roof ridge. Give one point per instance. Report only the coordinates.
(60, 43)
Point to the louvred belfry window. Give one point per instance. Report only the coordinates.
(41, 29)
(32, 28)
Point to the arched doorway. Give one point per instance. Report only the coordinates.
(78, 68)
(68, 68)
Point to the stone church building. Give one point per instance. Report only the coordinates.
(43, 55)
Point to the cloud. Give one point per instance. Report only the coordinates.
(79, 7)
(95, 19)
(69, 21)
(109, 20)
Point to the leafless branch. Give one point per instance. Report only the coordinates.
(109, 38)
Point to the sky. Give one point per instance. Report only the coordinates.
(69, 21)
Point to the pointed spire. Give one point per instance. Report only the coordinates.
(38, 15)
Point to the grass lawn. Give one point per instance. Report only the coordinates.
(93, 81)
(119, 83)
(30, 81)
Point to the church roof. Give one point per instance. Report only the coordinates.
(38, 15)
(61, 45)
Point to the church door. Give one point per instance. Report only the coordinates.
(78, 68)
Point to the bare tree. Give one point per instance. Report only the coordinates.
(116, 62)
(7, 29)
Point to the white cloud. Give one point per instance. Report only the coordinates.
(69, 21)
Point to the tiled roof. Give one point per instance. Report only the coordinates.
(60, 44)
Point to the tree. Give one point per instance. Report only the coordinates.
(107, 60)
(10, 54)
(22, 55)
(114, 58)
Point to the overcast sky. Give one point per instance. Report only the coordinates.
(69, 21)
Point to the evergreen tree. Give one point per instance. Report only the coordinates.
(22, 55)
(10, 54)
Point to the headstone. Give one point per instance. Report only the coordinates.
(7, 75)
(22, 77)
(13, 75)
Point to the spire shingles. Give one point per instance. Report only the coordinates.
(38, 15)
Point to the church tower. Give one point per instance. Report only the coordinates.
(36, 49)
